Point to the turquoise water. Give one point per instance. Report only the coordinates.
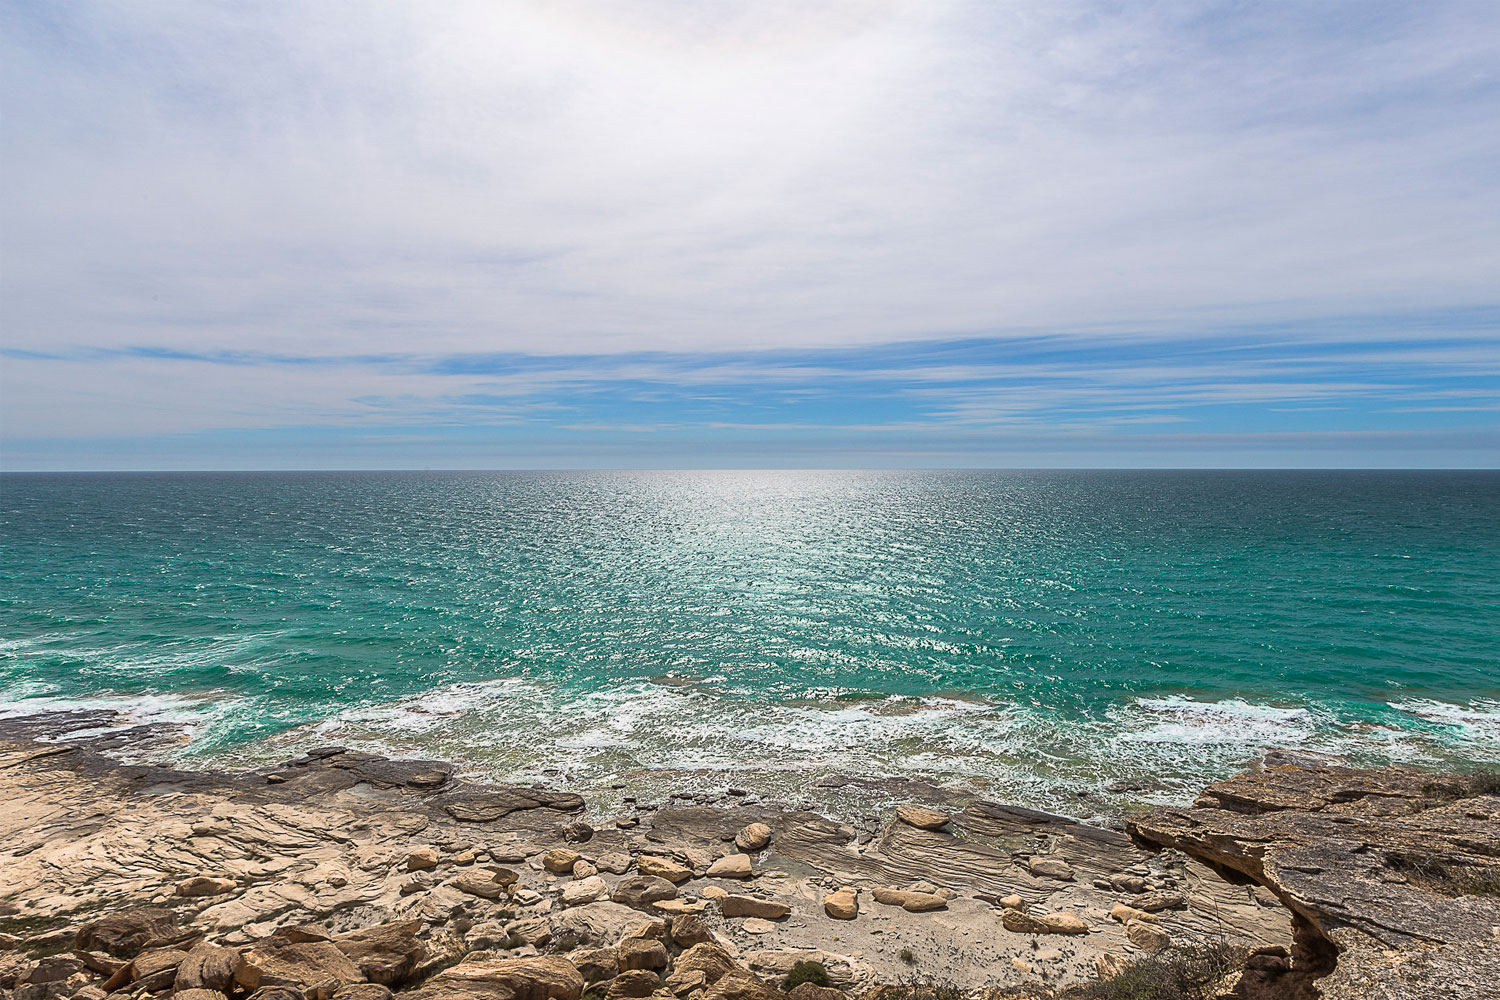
(1036, 635)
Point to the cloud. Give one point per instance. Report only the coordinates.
(874, 213)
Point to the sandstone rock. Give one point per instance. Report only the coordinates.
(641, 891)
(126, 932)
(733, 866)
(1012, 902)
(385, 953)
(423, 859)
(912, 902)
(921, 817)
(708, 960)
(1152, 902)
(740, 985)
(1147, 936)
(1048, 867)
(52, 969)
(1021, 965)
(560, 860)
(584, 869)
(204, 885)
(677, 906)
(595, 964)
(207, 966)
(584, 890)
(1061, 922)
(316, 966)
(754, 837)
(604, 922)
(812, 991)
(1133, 884)
(688, 929)
(615, 863)
(751, 906)
(653, 928)
(304, 932)
(842, 905)
(504, 979)
(577, 832)
(714, 892)
(757, 925)
(665, 868)
(1125, 914)
(356, 991)
(1109, 965)
(485, 887)
(641, 953)
(635, 983)
(189, 994)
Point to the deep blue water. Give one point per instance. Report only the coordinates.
(1035, 633)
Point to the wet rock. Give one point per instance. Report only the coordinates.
(754, 837)
(497, 801)
(922, 817)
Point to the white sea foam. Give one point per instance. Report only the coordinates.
(1478, 718)
(1236, 721)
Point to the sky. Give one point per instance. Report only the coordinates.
(682, 233)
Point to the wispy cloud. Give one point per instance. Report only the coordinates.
(569, 219)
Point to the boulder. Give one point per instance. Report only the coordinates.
(911, 902)
(595, 964)
(1061, 922)
(386, 953)
(317, 967)
(842, 905)
(1147, 936)
(423, 859)
(603, 922)
(483, 886)
(615, 863)
(207, 966)
(921, 817)
(740, 985)
(812, 991)
(752, 906)
(1012, 902)
(1125, 914)
(358, 991)
(754, 837)
(584, 869)
(504, 979)
(584, 890)
(1152, 902)
(124, 933)
(688, 929)
(204, 885)
(635, 983)
(577, 832)
(641, 953)
(195, 993)
(1109, 965)
(733, 866)
(560, 860)
(1049, 867)
(705, 962)
(641, 891)
(665, 868)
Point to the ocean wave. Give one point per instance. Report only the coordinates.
(1477, 718)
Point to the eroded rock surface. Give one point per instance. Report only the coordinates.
(1393, 874)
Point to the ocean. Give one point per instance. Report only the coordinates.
(1076, 641)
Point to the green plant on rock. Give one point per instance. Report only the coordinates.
(806, 972)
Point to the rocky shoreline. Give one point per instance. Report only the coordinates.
(342, 874)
